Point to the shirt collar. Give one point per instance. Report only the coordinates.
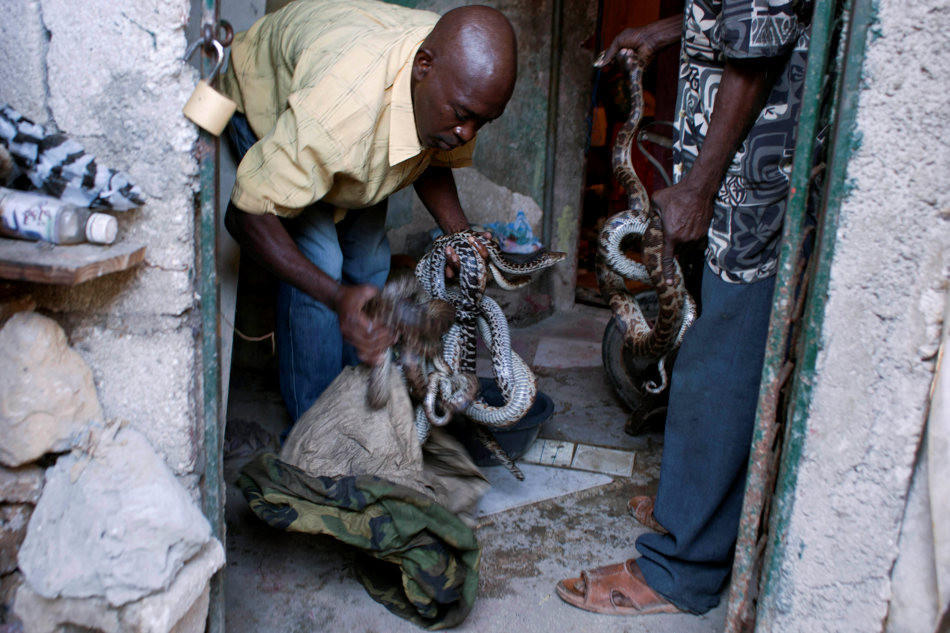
(403, 140)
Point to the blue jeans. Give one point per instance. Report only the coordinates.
(311, 352)
(713, 398)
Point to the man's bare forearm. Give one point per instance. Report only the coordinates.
(645, 41)
(265, 238)
(436, 189)
(686, 208)
(742, 94)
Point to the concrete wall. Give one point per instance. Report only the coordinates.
(878, 342)
(579, 21)
(109, 74)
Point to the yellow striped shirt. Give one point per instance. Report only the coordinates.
(325, 86)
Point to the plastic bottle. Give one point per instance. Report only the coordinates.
(33, 216)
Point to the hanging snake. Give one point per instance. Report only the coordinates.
(477, 314)
(641, 222)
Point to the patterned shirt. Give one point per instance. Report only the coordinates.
(749, 211)
(325, 86)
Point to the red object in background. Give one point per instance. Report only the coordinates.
(603, 194)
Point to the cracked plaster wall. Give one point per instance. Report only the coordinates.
(881, 327)
(109, 74)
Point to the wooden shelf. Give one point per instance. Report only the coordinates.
(45, 263)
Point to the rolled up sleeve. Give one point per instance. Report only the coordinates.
(278, 175)
(752, 29)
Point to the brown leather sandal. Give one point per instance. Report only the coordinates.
(642, 510)
(617, 589)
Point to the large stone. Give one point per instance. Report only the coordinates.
(21, 485)
(182, 608)
(196, 618)
(115, 523)
(8, 588)
(41, 615)
(13, 521)
(47, 396)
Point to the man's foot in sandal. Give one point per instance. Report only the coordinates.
(642, 510)
(618, 589)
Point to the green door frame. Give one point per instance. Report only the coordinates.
(206, 211)
(832, 82)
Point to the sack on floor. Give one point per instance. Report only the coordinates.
(342, 435)
(359, 475)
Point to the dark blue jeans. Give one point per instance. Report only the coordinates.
(311, 352)
(713, 397)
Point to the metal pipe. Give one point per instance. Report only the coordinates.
(206, 202)
(550, 143)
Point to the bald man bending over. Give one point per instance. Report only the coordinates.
(340, 104)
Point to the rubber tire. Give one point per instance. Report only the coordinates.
(628, 373)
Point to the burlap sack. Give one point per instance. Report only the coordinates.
(341, 435)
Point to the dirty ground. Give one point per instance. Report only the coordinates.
(560, 520)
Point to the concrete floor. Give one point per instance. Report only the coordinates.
(560, 520)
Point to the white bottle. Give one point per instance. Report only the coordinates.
(33, 216)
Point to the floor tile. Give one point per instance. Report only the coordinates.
(540, 483)
(560, 353)
(550, 453)
(603, 460)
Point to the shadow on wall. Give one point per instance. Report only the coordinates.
(484, 202)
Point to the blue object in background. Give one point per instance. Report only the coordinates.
(515, 237)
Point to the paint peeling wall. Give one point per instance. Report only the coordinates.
(109, 74)
(579, 23)
(880, 332)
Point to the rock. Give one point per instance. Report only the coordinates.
(8, 586)
(183, 608)
(184, 604)
(195, 620)
(21, 485)
(47, 395)
(13, 522)
(40, 615)
(114, 524)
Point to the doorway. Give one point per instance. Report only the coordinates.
(609, 108)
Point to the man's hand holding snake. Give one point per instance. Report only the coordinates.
(644, 41)
(452, 258)
(685, 212)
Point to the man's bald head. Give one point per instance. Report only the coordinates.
(479, 44)
(463, 75)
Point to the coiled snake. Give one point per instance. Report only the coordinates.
(476, 313)
(640, 222)
(436, 327)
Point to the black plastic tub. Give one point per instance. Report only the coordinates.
(516, 439)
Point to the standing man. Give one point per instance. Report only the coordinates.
(740, 87)
(342, 103)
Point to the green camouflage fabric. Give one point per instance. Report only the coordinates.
(415, 558)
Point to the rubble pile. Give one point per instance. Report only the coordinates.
(96, 533)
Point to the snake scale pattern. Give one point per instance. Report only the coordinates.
(640, 222)
(477, 314)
